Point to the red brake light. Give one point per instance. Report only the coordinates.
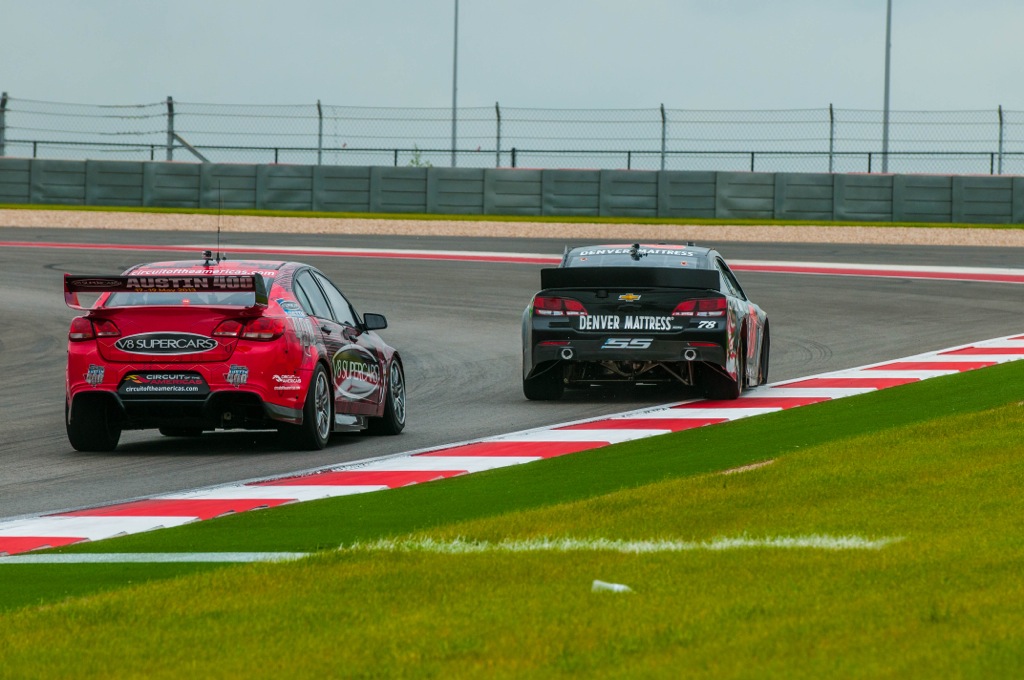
(715, 306)
(263, 328)
(106, 328)
(558, 306)
(81, 329)
(228, 328)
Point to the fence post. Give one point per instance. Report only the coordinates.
(664, 128)
(170, 128)
(319, 134)
(831, 138)
(3, 124)
(1000, 140)
(497, 154)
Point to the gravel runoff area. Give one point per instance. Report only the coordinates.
(89, 219)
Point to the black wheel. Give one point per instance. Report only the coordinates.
(716, 384)
(545, 385)
(393, 419)
(317, 415)
(92, 424)
(765, 354)
(181, 431)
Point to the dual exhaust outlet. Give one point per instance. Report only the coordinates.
(568, 353)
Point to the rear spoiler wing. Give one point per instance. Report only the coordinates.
(628, 277)
(243, 283)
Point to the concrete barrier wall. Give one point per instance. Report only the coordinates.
(501, 191)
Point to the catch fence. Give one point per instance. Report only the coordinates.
(823, 140)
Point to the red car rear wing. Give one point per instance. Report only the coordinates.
(205, 283)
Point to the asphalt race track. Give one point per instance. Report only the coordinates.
(457, 327)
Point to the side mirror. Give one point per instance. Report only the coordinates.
(374, 322)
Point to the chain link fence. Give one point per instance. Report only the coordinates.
(793, 140)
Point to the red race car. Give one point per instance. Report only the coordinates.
(192, 346)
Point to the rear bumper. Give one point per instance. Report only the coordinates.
(235, 395)
(224, 409)
(543, 345)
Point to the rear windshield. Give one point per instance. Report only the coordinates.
(204, 298)
(646, 257)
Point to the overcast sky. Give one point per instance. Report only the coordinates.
(618, 54)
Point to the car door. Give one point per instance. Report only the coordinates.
(356, 360)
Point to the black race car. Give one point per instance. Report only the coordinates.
(643, 314)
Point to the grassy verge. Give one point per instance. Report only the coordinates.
(936, 465)
(796, 224)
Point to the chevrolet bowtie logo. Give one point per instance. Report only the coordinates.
(629, 297)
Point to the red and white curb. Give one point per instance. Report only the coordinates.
(24, 534)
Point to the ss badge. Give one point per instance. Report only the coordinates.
(627, 343)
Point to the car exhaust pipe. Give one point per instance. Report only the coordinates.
(690, 354)
(567, 353)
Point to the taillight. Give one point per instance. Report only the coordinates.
(106, 328)
(82, 328)
(228, 329)
(701, 307)
(263, 329)
(558, 306)
(255, 329)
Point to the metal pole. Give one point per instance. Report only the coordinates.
(831, 139)
(1000, 140)
(319, 133)
(664, 126)
(170, 129)
(885, 113)
(3, 124)
(497, 155)
(455, 80)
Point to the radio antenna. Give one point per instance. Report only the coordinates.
(220, 209)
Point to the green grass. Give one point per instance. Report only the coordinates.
(937, 464)
(554, 219)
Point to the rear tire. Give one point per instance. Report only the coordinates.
(765, 354)
(547, 385)
(392, 421)
(93, 425)
(317, 415)
(719, 386)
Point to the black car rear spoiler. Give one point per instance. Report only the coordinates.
(628, 277)
(219, 283)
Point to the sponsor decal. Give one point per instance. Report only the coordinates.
(599, 322)
(95, 375)
(641, 252)
(161, 383)
(629, 297)
(199, 271)
(153, 284)
(287, 379)
(627, 343)
(237, 375)
(291, 308)
(98, 283)
(166, 343)
(356, 372)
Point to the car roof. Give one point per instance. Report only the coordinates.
(170, 267)
(624, 247)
